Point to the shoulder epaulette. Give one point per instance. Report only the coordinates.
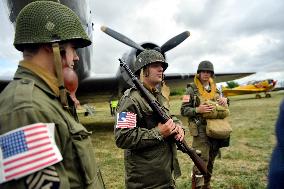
(24, 92)
(128, 91)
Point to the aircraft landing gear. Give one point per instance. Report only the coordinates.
(267, 95)
(257, 96)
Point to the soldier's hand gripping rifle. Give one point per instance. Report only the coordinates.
(154, 104)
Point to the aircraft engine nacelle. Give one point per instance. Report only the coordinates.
(130, 58)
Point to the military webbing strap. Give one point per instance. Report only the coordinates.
(58, 68)
(165, 90)
(142, 75)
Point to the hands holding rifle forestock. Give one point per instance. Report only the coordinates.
(171, 128)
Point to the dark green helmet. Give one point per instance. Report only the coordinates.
(205, 66)
(147, 57)
(42, 22)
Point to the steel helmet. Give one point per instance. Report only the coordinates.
(205, 66)
(42, 22)
(147, 57)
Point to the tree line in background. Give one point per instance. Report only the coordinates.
(232, 84)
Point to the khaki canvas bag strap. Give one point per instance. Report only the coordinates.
(58, 68)
(194, 89)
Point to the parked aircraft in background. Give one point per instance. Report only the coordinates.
(252, 87)
(173, 80)
(114, 85)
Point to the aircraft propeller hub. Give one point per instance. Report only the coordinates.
(131, 57)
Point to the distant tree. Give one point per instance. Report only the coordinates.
(232, 84)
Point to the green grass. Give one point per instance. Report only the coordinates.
(243, 165)
(177, 92)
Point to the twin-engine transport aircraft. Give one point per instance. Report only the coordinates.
(252, 87)
(112, 86)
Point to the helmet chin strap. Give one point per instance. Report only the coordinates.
(58, 69)
(142, 75)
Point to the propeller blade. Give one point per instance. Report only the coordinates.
(173, 42)
(121, 38)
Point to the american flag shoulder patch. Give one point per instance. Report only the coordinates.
(126, 120)
(27, 150)
(186, 98)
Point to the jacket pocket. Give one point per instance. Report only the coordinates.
(150, 153)
(91, 172)
(83, 147)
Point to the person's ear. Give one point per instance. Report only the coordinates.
(47, 48)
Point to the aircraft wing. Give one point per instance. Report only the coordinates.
(178, 81)
(110, 84)
(101, 84)
(4, 82)
(98, 85)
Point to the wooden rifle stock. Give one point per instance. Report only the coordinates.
(154, 104)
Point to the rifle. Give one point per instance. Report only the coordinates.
(154, 104)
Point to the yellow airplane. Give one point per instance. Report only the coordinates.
(252, 87)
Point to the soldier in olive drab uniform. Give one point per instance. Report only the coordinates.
(150, 156)
(194, 107)
(48, 33)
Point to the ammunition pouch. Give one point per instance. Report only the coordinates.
(218, 128)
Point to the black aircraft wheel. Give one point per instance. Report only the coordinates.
(267, 95)
(257, 96)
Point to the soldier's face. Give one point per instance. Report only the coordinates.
(204, 76)
(155, 74)
(70, 56)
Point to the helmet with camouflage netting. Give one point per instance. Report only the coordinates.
(147, 57)
(43, 22)
(205, 66)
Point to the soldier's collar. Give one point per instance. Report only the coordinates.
(153, 90)
(50, 80)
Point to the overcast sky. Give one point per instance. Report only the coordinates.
(235, 35)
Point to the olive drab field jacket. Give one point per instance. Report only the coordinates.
(191, 100)
(28, 100)
(150, 160)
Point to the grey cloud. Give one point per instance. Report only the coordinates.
(223, 23)
(114, 11)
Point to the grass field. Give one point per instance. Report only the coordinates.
(243, 165)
